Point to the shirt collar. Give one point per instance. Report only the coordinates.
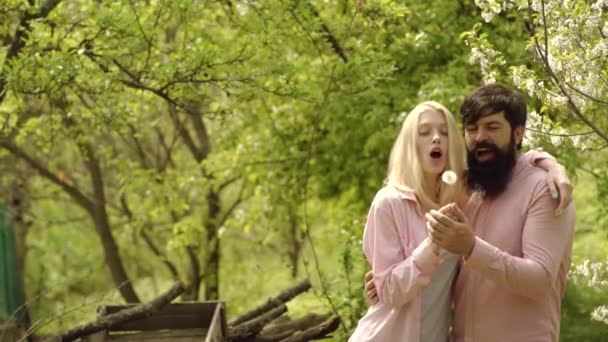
(406, 193)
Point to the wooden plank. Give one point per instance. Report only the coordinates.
(186, 335)
(173, 308)
(217, 328)
(221, 311)
(163, 321)
(176, 316)
(10, 332)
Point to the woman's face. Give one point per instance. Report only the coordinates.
(432, 141)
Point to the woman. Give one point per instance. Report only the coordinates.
(413, 279)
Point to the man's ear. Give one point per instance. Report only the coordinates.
(519, 134)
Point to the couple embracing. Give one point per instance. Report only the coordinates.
(481, 255)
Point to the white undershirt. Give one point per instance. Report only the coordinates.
(436, 314)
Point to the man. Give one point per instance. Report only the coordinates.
(515, 248)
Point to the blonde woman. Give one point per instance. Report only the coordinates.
(413, 281)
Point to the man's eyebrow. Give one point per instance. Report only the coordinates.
(489, 122)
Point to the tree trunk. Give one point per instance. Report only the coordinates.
(295, 241)
(193, 290)
(111, 255)
(102, 225)
(212, 271)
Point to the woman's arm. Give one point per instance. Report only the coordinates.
(557, 179)
(398, 275)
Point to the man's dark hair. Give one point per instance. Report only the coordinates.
(495, 98)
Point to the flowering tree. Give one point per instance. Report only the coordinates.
(564, 70)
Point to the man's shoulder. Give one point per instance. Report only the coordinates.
(531, 183)
(528, 175)
(527, 184)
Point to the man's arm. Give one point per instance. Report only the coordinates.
(545, 237)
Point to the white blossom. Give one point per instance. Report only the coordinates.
(600, 314)
(489, 8)
(556, 140)
(600, 50)
(534, 120)
(592, 273)
(487, 16)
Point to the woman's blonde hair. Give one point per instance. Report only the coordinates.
(404, 168)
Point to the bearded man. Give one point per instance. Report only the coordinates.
(515, 249)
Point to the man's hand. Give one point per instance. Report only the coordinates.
(370, 289)
(453, 232)
(560, 186)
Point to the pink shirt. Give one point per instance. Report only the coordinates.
(396, 245)
(510, 288)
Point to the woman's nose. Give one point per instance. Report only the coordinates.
(436, 139)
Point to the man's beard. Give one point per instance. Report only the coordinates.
(491, 176)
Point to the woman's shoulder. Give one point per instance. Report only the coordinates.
(390, 194)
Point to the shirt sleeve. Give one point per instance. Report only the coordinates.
(399, 275)
(545, 239)
(534, 156)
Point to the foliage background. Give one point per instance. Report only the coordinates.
(237, 144)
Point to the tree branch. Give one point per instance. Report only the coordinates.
(328, 35)
(137, 84)
(230, 209)
(168, 150)
(558, 134)
(201, 132)
(283, 297)
(156, 251)
(195, 270)
(96, 175)
(151, 245)
(74, 192)
(580, 92)
(283, 328)
(141, 153)
(143, 33)
(252, 328)
(185, 135)
(226, 183)
(331, 324)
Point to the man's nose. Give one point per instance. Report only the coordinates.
(482, 135)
